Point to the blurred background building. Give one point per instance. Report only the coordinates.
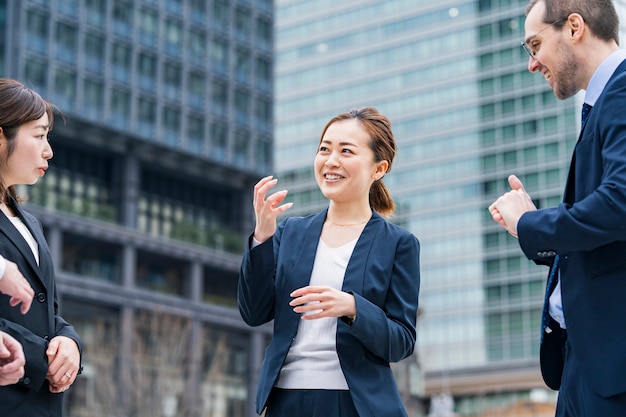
(169, 122)
(147, 201)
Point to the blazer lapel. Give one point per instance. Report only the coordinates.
(11, 232)
(355, 272)
(303, 265)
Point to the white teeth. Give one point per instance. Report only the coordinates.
(332, 176)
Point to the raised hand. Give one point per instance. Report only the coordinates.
(509, 208)
(267, 209)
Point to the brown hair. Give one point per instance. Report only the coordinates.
(18, 105)
(599, 15)
(383, 146)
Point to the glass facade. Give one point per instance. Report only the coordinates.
(466, 113)
(165, 124)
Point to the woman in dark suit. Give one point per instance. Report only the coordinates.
(51, 346)
(341, 285)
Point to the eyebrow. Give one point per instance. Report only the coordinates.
(340, 143)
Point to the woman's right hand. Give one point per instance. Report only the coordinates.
(267, 209)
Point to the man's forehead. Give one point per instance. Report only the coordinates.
(534, 21)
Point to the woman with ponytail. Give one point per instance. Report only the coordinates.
(341, 285)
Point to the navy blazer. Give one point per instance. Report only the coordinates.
(588, 231)
(383, 274)
(31, 396)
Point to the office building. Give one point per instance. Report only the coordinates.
(466, 113)
(147, 202)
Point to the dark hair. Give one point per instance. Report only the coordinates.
(18, 106)
(599, 15)
(382, 145)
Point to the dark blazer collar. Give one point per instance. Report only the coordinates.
(16, 238)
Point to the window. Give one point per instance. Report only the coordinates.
(219, 56)
(93, 98)
(120, 107)
(91, 258)
(242, 65)
(67, 42)
(195, 133)
(147, 70)
(243, 24)
(242, 106)
(122, 18)
(220, 97)
(148, 27)
(65, 87)
(242, 141)
(172, 79)
(196, 88)
(197, 47)
(121, 57)
(95, 12)
(94, 52)
(173, 37)
(36, 73)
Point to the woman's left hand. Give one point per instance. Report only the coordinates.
(315, 302)
(63, 363)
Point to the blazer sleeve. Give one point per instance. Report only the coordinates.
(34, 350)
(255, 288)
(388, 331)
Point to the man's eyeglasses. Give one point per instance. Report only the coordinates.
(532, 53)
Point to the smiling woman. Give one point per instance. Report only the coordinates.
(51, 346)
(341, 285)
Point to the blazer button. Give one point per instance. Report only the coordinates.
(46, 338)
(41, 297)
(26, 381)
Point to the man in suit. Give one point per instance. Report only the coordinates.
(13, 284)
(574, 45)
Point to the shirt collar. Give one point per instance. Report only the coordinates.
(602, 75)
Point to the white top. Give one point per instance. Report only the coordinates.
(312, 361)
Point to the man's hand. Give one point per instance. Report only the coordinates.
(509, 208)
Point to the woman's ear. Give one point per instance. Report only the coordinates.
(381, 170)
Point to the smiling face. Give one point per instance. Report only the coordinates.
(29, 155)
(553, 55)
(344, 163)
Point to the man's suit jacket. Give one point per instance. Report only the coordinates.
(588, 232)
(383, 275)
(31, 396)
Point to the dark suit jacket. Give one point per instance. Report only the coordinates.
(383, 275)
(31, 396)
(588, 231)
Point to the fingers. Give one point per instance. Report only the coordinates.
(12, 360)
(267, 209)
(315, 302)
(15, 285)
(516, 183)
(63, 360)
